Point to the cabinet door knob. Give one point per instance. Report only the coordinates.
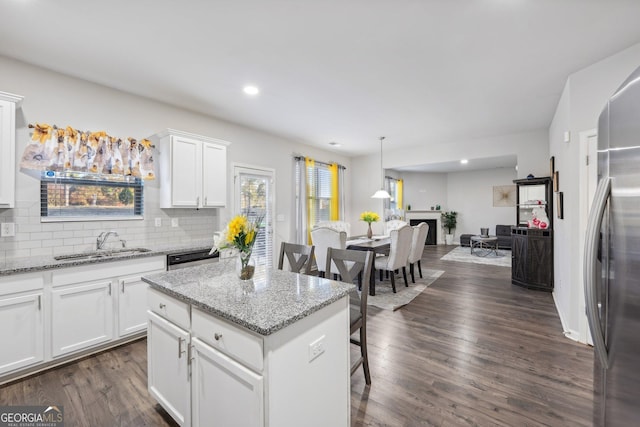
(217, 336)
(162, 306)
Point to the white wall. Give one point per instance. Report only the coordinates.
(58, 99)
(471, 195)
(424, 190)
(583, 98)
(530, 148)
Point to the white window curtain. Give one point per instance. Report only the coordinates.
(314, 193)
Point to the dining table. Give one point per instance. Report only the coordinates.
(377, 245)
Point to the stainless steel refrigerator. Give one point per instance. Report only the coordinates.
(612, 261)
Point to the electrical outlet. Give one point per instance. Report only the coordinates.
(158, 222)
(174, 222)
(7, 229)
(316, 348)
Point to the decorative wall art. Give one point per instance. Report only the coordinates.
(504, 196)
(552, 166)
(556, 181)
(559, 204)
(70, 150)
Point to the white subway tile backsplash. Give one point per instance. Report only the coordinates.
(43, 235)
(42, 252)
(62, 234)
(35, 238)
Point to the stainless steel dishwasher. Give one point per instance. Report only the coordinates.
(190, 259)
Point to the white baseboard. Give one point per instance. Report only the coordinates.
(569, 333)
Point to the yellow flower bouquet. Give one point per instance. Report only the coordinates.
(241, 234)
(369, 217)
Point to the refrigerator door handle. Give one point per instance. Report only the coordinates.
(590, 266)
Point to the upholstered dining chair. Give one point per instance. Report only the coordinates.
(393, 224)
(336, 225)
(324, 238)
(420, 232)
(299, 257)
(398, 255)
(350, 264)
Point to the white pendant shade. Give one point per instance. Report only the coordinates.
(381, 194)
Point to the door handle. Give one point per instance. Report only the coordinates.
(590, 265)
(180, 351)
(122, 285)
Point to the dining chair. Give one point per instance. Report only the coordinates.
(336, 225)
(324, 238)
(299, 257)
(352, 264)
(393, 224)
(398, 255)
(420, 232)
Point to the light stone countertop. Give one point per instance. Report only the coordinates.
(34, 264)
(272, 300)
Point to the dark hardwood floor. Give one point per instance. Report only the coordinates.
(471, 350)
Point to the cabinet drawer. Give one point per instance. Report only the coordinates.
(169, 308)
(231, 340)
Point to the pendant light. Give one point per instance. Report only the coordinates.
(381, 193)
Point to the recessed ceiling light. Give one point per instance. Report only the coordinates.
(251, 90)
(464, 161)
(335, 144)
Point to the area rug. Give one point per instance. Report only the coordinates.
(387, 300)
(463, 254)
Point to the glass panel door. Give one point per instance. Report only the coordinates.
(254, 198)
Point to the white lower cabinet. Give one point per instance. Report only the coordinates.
(21, 331)
(132, 305)
(53, 316)
(168, 367)
(223, 392)
(81, 316)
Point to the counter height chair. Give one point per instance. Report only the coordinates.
(299, 257)
(336, 225)
(322, 239)
(352, 264)
(420, 232)
(393, 224)
(398, 255)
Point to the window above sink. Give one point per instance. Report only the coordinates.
(79, 196)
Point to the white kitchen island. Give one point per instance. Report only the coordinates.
(273, 351)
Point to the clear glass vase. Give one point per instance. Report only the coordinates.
(245, 266)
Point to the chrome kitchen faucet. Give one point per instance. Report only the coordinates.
(102, 239)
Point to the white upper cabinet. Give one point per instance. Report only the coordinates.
(193, 170)
(8, 104)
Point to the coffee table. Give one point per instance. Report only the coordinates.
(484, 245)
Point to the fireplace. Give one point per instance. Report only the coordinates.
(432, 235)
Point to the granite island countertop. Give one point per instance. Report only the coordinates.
(272, 300)
(41, 263)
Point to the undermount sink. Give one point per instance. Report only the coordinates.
(102, 254)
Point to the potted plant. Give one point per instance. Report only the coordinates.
(449, 221)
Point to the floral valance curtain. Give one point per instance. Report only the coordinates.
(67, 149)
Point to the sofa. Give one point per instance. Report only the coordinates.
(502, 232)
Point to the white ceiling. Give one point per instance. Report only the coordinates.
(417, 71)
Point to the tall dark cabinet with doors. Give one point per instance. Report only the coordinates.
(532, 248)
